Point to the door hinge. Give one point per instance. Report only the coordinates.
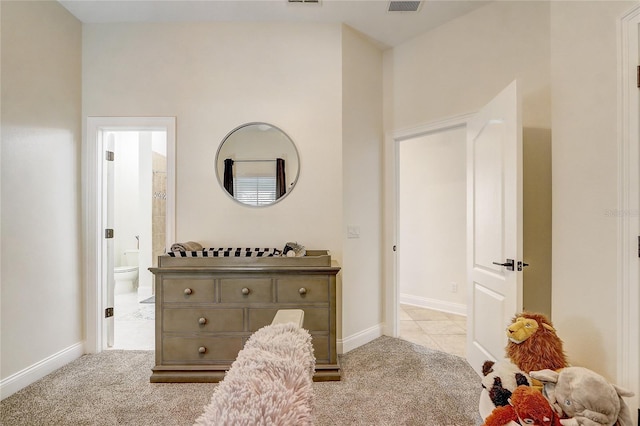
(109, 155)
(108, 312)
(638, 79)
(638, 245)
(108, 233)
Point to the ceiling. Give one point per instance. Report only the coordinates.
(370, 17)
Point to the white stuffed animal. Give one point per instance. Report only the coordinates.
(584, 396)
(501, 378)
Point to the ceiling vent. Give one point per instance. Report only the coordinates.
(303, 1)
(404, 6)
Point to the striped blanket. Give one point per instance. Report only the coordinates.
(228, 252)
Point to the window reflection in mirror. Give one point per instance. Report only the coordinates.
(257, 164)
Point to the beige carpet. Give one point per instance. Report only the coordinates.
(386, 382)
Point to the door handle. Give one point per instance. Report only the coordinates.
(521, 265)
(509, 264)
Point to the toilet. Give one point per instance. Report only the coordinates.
(126, 277)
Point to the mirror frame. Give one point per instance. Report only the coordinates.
(294, 182)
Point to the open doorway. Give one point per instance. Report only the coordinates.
(430, 222)
(145, 144)
(393, 300)
(139, 194)
(432, 239)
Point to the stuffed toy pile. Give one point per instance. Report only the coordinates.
(535, 385)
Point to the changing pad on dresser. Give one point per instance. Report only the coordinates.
(255, 258)
(228, 252)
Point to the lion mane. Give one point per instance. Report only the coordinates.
(542, 349)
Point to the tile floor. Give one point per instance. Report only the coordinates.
(134, 322)
(135, 326)
(433, 329)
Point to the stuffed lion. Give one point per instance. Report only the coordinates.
(533, 343)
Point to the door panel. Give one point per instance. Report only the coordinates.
(494, 224)
(488, 206)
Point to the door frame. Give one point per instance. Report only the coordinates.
(94, 253)
(391, 244)
(628, 213)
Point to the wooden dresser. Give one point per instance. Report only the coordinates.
(207, 307)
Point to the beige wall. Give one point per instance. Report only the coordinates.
(361, 188)
(461, 65)
(212, 78)
(41, 312)
(585, 170)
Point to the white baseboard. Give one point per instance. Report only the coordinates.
(356, 340)
(438, 305)
(35, 372)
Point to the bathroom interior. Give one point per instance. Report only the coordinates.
(139, 198)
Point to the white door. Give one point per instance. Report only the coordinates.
(108, 241)
(494, 225)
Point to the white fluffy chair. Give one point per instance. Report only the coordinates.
(270, 382)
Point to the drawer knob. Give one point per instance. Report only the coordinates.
(188, 291)
(202, 349)
(245, 290)
(202, 321)
(302, 290)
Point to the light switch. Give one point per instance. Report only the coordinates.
(353, 231)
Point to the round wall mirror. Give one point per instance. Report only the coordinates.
(257, 164)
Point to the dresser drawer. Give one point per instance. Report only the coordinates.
(222, 349)
(303, 289)
(246, 290)
(258, 318)
(188, 290)
(205, 320)
(320, 344)
(315, 319)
